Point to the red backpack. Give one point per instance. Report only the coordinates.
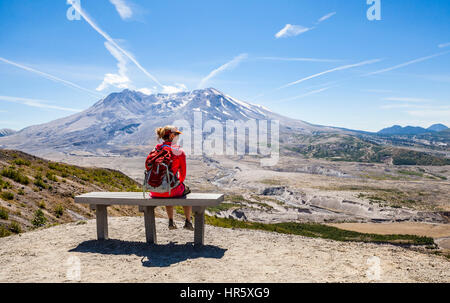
(159, 177)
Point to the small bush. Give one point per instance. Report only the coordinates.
(42, 204)
(51, 177)
(6, 195)
(4, 232)
(39, 182)
(4, 184)
(59, 210)
(15, 175)
(39, 218)
(21, 192)
(4, 214)
(15, 228)
(20, 162)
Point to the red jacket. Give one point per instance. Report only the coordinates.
(178, 167)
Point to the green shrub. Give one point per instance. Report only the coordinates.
(4, 214)
(410, 173)
(21, 192)
(4, 232)
(4, 184)
(39, 182)
(6, 195)
(39, 218)
(223, 207)
(20, 162)
(51, 177)
(59, 210)
(15, 227)
(42, 204)
(15, 175)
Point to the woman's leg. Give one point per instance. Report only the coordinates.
(187, 212)
(169, 210)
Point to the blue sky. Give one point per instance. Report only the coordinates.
(321, 61)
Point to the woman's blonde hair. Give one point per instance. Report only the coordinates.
(165, 132)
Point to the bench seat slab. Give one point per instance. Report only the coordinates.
(137, 198)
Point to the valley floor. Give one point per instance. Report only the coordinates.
(52, 255)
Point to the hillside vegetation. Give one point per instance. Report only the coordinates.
(353, 149)
(35, 192)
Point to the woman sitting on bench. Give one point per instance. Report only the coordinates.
(170, 135)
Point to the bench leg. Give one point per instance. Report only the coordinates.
(150, 224)
(199, 232)
(102, 222)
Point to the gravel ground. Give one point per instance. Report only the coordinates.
(69, 253)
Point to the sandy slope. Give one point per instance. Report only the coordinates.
(231, 256)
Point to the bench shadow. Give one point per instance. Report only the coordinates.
(153, 255)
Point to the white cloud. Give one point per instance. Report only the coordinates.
(147, 91)
(229, 65)
(407, 63)
(444, 45)
(291, 31)
(406, 99)
(326, 17)
(113, 43)
(36, 103)
(178, 88)
(122, 8)
(48, 76)
(119, 80)
(344, 67)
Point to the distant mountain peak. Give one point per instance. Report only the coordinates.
(437, 127)
(412, 130)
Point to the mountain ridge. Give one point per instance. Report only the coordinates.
(6, 132)
(412, 130)
(128, 118)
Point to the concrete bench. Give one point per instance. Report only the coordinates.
(99, 201)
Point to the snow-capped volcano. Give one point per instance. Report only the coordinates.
(129, 118)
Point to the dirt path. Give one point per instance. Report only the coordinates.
(49, 255)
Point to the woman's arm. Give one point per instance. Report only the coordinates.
(182, 169)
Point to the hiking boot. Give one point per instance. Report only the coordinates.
(188, 225)
(172, 225)
(187, 190)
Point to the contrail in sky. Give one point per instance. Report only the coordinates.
(407, 63)
(344, 67)
(110, 40)
(37, 103)
(48, 76)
